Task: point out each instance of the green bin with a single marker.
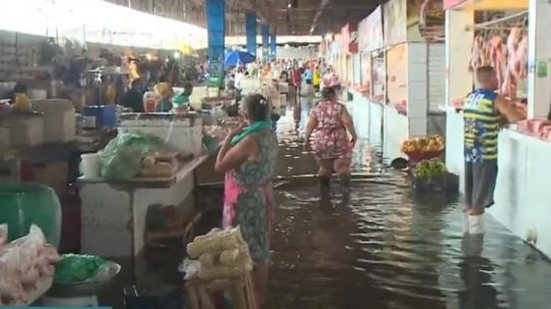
(23, 204)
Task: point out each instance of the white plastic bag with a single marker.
(189, 268)
(3, 234)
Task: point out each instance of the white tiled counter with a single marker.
(368, 117)
(523, 195)
(454, 144)
(395, 131)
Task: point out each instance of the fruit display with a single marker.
(419, 149)
(430, 169)
(434, 143)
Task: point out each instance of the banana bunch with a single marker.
(22, 103)
(432, 168)
(432, 143)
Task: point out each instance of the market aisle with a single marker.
(390, 248)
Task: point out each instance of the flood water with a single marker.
(387, 247)
(383, 247)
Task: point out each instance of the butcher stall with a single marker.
(498, 33)
(415, 58)
(369, 96)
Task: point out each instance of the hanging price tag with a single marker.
(541, 69)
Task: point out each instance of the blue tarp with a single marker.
(236, 57)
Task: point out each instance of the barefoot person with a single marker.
(334, 139)
(482, 113)
(248, 157)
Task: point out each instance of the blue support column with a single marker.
(265, 43)
(250, 27)
(273, 46)
(216, 27)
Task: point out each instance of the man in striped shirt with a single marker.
(482, 114)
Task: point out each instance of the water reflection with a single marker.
(383, 246)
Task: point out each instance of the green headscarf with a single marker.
(254, 128)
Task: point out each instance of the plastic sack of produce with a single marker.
(26, 268)
(121, 158)
(223, 271)
(216, 242)
(234, 256)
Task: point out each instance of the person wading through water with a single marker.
(334, 139)
(482, 113)
(248, 157)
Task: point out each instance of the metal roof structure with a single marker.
(288, 17)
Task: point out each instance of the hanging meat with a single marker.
(497, 54)
(509, 86)
(521, 59)
(479, 56)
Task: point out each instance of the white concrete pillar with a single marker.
(539, 59)
(459, 82)
(459, 42)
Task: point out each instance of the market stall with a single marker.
(521, 200)
(414, 71)
(371, 92)
(151, 161)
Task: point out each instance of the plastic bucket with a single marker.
(90, 165)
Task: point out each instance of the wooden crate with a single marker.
(240, 288)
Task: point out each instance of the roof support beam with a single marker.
(330, 8)
(322, 5)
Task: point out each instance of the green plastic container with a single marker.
(23, 204)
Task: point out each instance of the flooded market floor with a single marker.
(387, 247)
(384, 247)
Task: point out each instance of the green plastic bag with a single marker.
(121, 158)
(210, 143)
(77, 268)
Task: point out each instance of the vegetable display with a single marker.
(430, 169)
(77, 268)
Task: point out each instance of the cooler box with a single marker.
(105, 115)
(184, 133)
(25, 129)
(59, 120)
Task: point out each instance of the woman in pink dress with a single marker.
(334, 138)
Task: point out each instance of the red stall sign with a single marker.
(350, 38)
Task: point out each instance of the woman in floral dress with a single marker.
(248, 157)
(334, 137)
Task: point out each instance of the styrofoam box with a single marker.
(26, 130)
(181, 134)
(59, 120)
